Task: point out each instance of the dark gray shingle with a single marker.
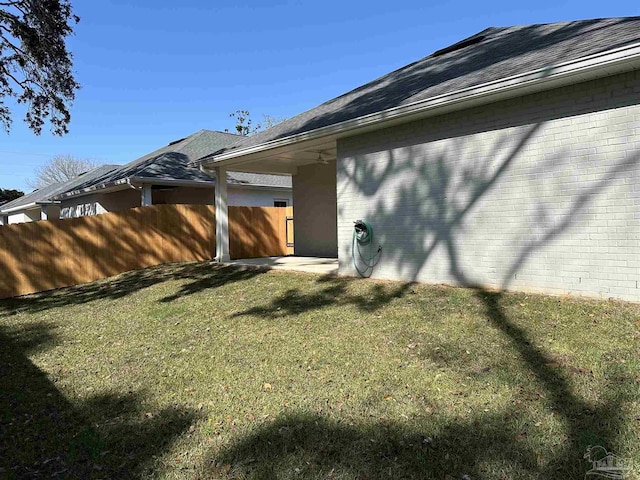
(171, 163)
(501, 53)
(48, 193)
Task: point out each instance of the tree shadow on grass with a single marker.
(320, 445)
(301, 445)
(333, 293)
(207, 279)
(586, 424)
(199, 277)
(43, 434)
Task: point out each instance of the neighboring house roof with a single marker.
(170, 165)
(492, 54)
(47, 194)
(259, 179)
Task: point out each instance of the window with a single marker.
(279, 203)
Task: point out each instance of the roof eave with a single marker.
(583, 69)
(202, 183)
(174, 182)
(99, 188)
(28, 206)
(259, 186)
(16, 208)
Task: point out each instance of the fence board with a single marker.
(258, 231)
(57, 253)
(51, 254)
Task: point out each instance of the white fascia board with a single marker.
(202, 184)
(258, 186)
(101, 188)
(582, 69)
(28, 206)
(173, 182)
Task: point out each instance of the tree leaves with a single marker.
(35, 65)
(6, 195)
(243, 122)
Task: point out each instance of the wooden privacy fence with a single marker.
(51, 254)
(259, 232)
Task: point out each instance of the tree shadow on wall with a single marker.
(438, 225)
(43, 434)
(46, 255)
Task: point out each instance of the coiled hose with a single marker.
(363, 238)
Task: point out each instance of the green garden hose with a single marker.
(363, 237)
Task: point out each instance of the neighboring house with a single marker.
(163, 176)
(40, 204)
(510, 159)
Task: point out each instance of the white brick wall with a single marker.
(537, 193)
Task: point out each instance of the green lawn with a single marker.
(198, 371)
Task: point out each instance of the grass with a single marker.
(198, 371)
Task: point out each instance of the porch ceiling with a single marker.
(284, 160)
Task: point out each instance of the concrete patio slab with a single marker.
(322, 266)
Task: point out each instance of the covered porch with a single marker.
(312, 166)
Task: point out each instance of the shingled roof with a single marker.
(492, 54)
(171, 164)
(47, 194)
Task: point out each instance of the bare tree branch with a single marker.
(59, 169)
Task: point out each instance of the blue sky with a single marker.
(153, 70)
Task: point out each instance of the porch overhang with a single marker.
(280, 160)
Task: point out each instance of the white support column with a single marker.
(147, 199)
(43, 212)
(222, 216)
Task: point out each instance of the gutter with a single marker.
(27, 206)
(605, 62)
(100, 188)
(127, 182)
(174, 182)
(258, 186)
(203, 183)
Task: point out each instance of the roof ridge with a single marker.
(221, 132)
(504, 52)
(567, 22)
(191, 138)
(367, 84)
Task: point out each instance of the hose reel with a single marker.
(363, 241)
